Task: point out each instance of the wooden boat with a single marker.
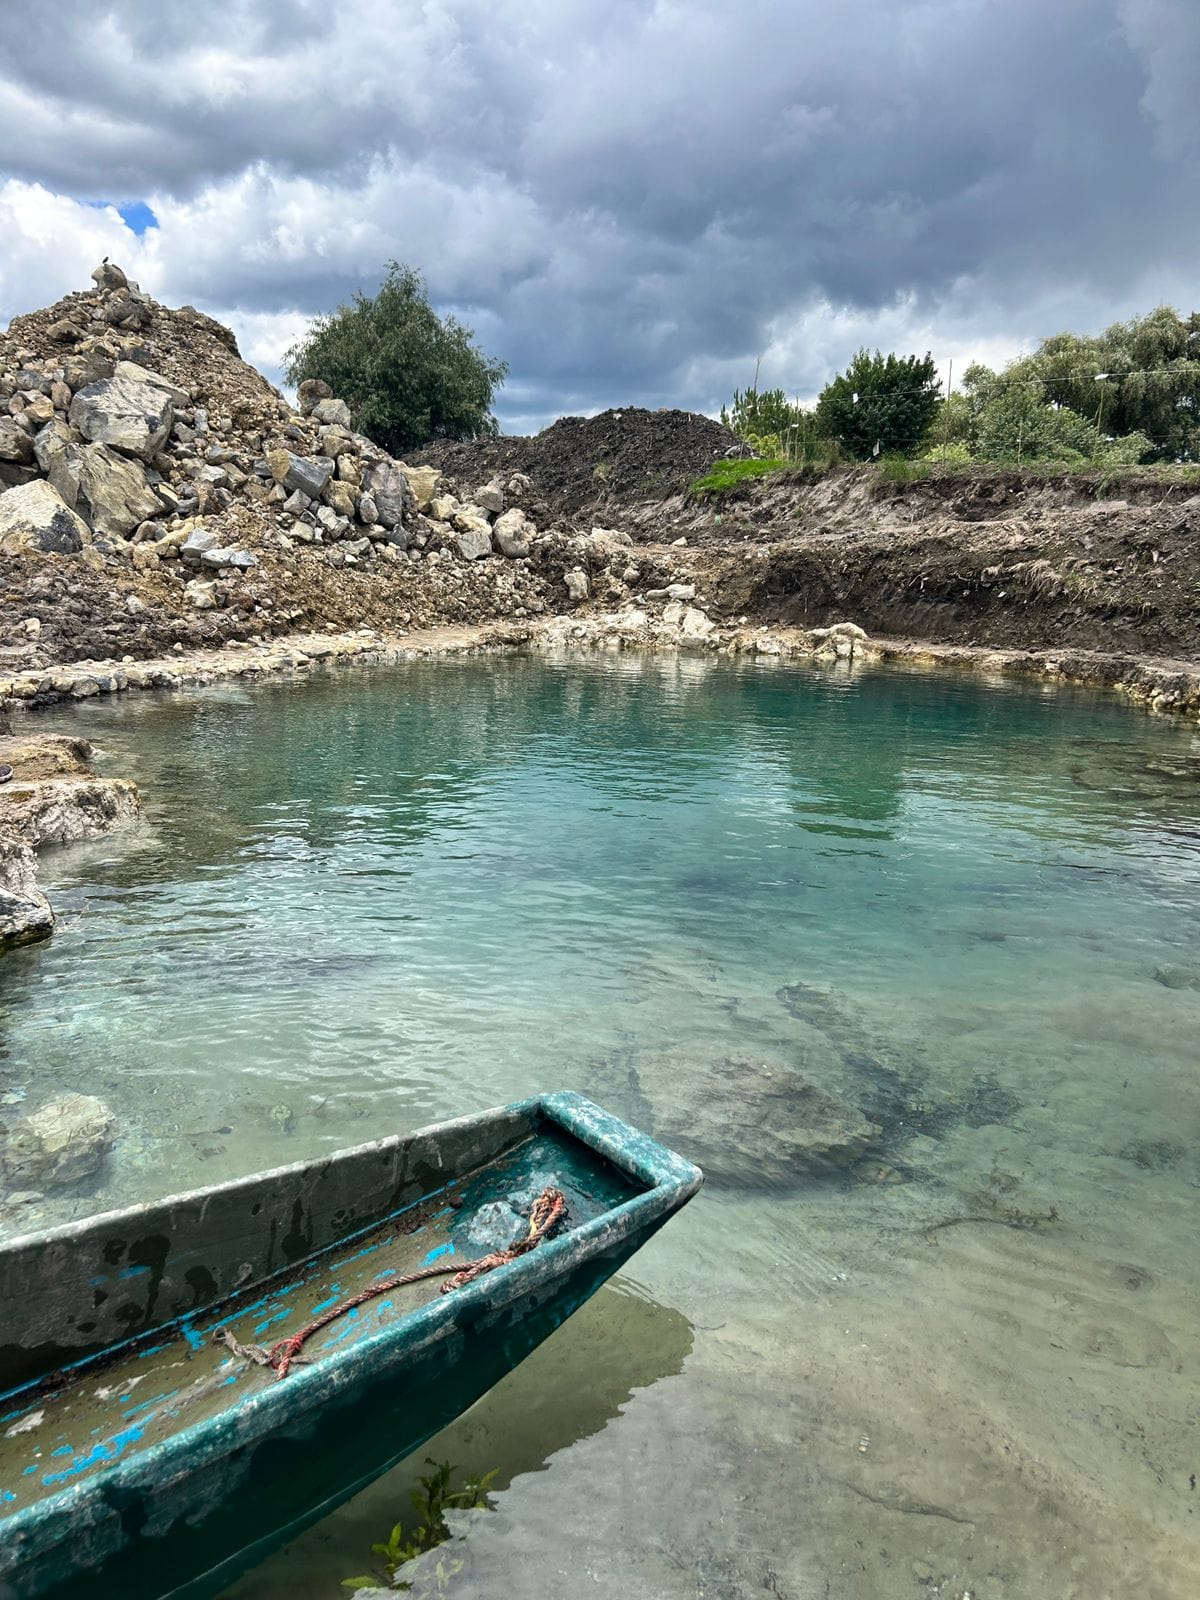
(165, 1418)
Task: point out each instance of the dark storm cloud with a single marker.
(630, 201)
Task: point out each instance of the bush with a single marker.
(952, 454)
(774, 428)
(880, 404)
(407, 374)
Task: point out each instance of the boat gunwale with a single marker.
(68, 1232)
(671, 1181)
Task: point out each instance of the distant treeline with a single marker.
(1128, 395)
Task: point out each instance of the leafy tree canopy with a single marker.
(889, 401)
(1137, 377)
(757, 413)
(407, 374)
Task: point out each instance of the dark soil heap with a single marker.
(598, 464)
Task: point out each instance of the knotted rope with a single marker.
(548, 1208)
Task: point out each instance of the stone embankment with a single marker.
(49, 795)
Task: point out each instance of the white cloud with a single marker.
(629, 200)
(51, 244)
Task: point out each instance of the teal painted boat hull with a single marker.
(179, 1492)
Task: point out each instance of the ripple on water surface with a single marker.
(966, 914)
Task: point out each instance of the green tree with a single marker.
(773, 426)
(407, 374)
(1006, 417)
(756, 414)
(885, 401)
(1141, 376)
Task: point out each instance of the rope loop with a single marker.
(548, 1210)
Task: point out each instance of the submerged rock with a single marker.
(757, 1124)
(63, 1142)
(1178, 977)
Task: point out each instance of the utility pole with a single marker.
(1100, 377)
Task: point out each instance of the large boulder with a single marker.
(311, 392)
(109, 491)
(298, 474)
(756, 1124)
(333, 412)
(25, 912)
(511, 533)
(128, 413)
(473, 543)
(391, 492)
(108, 276)
(133, 373)
(62, 810)
(199, 595)
(490, 497)
(423, 481)
(34, 516)
(63, 1142)
(15, 443)
(198, 542)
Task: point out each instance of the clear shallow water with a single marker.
(378, 899)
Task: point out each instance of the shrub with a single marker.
(775, 428)
(953, 454)
(880, 404)
(407, 374)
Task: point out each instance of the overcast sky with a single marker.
(629, 201)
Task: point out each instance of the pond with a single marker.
(967, 910)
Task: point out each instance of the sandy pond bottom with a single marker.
(969, 909)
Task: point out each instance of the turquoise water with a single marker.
(965, 1365)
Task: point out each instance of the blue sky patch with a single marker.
(136, 215)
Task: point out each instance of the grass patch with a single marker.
(723, 475)
(901, 469)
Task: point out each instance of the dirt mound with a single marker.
(588, 463)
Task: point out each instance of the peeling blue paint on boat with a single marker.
(101, 1452)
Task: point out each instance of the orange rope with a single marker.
(548, 1208)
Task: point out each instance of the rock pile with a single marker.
(111, 442)
(174, 481)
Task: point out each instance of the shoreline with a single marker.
(1154, 683)
(59, 803)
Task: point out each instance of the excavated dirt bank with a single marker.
(989, 559)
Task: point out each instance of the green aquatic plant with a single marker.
(431, 1502)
